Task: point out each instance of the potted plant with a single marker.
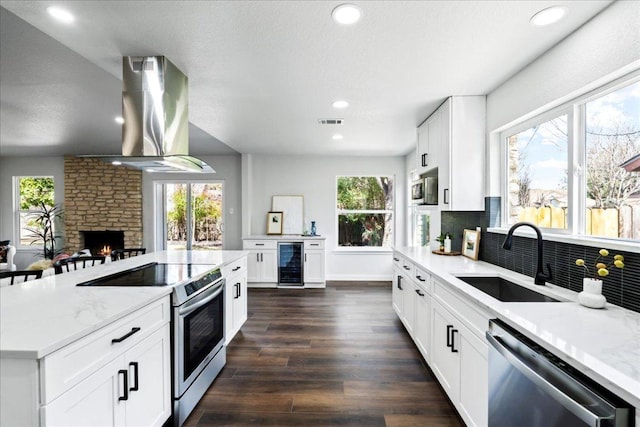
(440, 239)
(43, 229)
(591, 295)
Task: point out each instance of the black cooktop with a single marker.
(155, 274)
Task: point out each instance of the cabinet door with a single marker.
(254, 266)
(422, 325)
(92, 402)
(269, 266)
(434, 130)
(397, 296)
(149, 367)
(422, 151)
(474, 366)
(444, 183)
(408, 295)
(239, 303)
(445, 361)
(313, 266)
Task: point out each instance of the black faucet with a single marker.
(540, 278)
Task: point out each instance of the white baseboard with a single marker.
(361, 277)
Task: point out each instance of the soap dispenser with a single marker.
(447, 243)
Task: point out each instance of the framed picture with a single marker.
(274, 222)
(471, 243)
(292, 208)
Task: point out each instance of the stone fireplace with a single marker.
(102, 242)
(99, 196)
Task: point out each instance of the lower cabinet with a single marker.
(447, 331)
(262, 266)
(314, 263)
(134, 389)
(235, 300)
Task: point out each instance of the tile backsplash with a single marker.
(621, 287)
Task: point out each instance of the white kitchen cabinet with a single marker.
(428, 146)
(474, 388)
(422, 314)
(408, 304)
(461, 154)
(134, 389)
(445, 356)
(262, 262)
(235, 275)
(397, 292)
(314, 263)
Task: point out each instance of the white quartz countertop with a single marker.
(41, 316)
(603, 344)
(294, 237)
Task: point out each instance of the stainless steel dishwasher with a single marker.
(530, 387)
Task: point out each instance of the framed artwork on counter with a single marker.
(471, 243)
(274, 222)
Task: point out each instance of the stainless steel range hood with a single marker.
(155, 133)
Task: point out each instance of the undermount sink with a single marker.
(504, 290)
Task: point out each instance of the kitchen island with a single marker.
(51, 325)
(603, 344)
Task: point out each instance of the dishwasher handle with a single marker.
(534, 374)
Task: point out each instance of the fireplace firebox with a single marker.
(102, 242)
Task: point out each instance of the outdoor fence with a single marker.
(622, 222)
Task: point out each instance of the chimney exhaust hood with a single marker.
(155, 133)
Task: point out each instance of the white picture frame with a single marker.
(292, 208)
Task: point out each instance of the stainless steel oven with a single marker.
(530, 387)
(198, 347)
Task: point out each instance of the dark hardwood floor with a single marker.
(324, 357)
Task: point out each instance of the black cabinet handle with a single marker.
(449, 328)
(419, 293)
(400, 282)
(125, 336)
(135, 376)
(125, 375)
(406, 268)
(314, 244)
(453, 342)
(423, 159)
(446, 196)
(258, 257)
(261, 257)
(259, 244)
(396, 259)
(237, 287)
(237, 268)
(305, 257)
(420, 278)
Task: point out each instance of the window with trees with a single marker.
(365, 211)
(34, 194)
(564, 168)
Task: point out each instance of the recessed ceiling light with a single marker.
(337, 136)
(548, 16)
(119, 120)
(61, 14)
(346, 14)
(340, 104)
(116, 163)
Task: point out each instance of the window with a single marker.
(191, 215)
(32, 194)
(564, 168)
(537, 174)
(365, 211)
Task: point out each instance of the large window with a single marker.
(33, 194)
(365, 211)
(564, 168)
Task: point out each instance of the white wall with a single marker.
(228, 169)
(604, 48)
(25, 166)
(314, 177)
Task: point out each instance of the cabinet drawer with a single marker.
(234, 268)
(260, 244)
(422, 278)
(314, 244)
(474, 318)
(68, 366)
(397, 260)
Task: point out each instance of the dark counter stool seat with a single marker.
(25, 274)
(77, 263)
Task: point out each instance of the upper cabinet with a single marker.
(452, 142)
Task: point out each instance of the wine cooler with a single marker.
(290, 264)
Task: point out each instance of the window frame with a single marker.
(575, 108)
(17, 212)
(339, 212)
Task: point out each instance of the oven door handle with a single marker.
(567, 401)
(190, 308)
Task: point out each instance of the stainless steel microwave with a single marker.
(425, 191)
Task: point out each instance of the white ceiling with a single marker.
(261, 73)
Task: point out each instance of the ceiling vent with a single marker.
(330, 121)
